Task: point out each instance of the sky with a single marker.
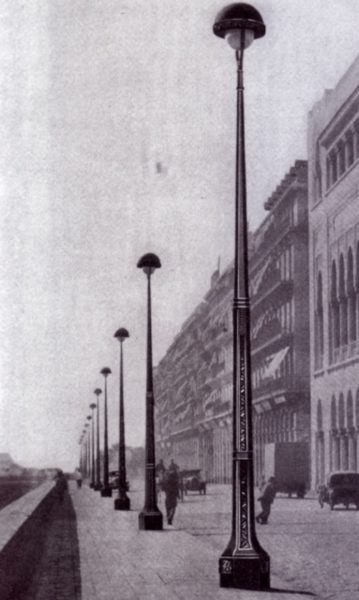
(117, 138)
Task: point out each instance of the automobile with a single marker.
(191, 481)
(342, 487)
(113, 481)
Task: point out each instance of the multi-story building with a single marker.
(193, 382)
(333, 156)
(193, 387)
(279, 318)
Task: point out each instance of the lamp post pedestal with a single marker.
(250, 570)
(122, 503)
(150, 520)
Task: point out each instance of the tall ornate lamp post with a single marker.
(92, 484)
(123, 501)
(97, 485)
(243, 564)
(106, 490)
(150, 517)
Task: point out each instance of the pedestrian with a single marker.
(160, 477)
(78, 477)
(61, 485)
(266, 499)
(171, 487)
(173, 465)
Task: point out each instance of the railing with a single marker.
(275, 385)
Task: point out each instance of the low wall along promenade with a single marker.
(23, 527)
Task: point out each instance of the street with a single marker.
(311, 549)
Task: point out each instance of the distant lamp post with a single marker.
(123, 501)
(97, 485)
(243, 564)
(87, 451)
(106, 490)
(150, 517)
(92, 484)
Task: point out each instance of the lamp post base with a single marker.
(150, 521)
(106, 492)
(122, 503)
(248, 572)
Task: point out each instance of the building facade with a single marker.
(193, 382)
(333, 156)
(280, 319)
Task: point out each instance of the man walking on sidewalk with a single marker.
(171, 487)
(266, 500)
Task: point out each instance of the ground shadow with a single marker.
(59, 565)
(297, 592)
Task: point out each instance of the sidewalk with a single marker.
(119, 562)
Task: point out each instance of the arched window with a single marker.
(350, 411)
(341, 413)
(334, 310)
(343, 303)
(333, 414)
(319, 416)
(352, 314)
(318, 326)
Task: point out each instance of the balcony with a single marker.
(283, 288)
(276, 386)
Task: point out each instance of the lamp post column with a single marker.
(92, 484)
(150, 518)
(97, 487)
(106, 490)
(123, 501)
(243, 564)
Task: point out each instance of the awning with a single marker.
(275, 363)
(258, 325)
(258, 278)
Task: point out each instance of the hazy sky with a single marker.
(117, 138)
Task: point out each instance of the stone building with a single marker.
(193, 381)
(333, 184)
(279, 318)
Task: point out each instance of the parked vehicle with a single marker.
(288, 462)
(342, 487)
(191, 481)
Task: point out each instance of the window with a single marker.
(318, 325)
(350, 148)
(334, 310)
(352, 315)
(341, 158)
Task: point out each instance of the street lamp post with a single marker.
(87, 445)
(244, 563)
(123, 501)
(97, 485)
(92, 484)
(150, 517)
(106, 490)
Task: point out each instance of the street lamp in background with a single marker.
(106, 490)
(92, 484)
(123, 501)
(150, 517)
(244, 563)
(87, 451)
(97, 486)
